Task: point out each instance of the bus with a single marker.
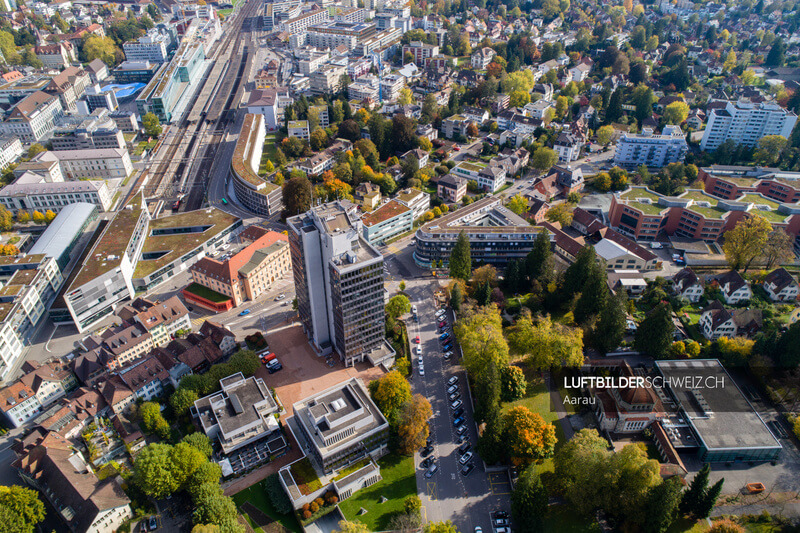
(224, 201)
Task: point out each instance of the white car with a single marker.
(421, 370)
(413, 309)
(440, 313)
(419, 350)
(465, 458)
(456, 404)
(656, 245)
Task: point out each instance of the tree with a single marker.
(397, 306)
(529, 501)
(346, 526)
(460, 258)
(23, 217)
(151, 124)
(547, 344)
(730, 61)
(480, 335)
(746, 241)
(561, 213)
(185, 459)
(538, 256)
(100, 47)
(518, 204)
(578, 272)
(770, 148)
(406, 97)
(485, 275)
(403, 136)
(153, 421)
(775, 57)
(512, 383)
(456, 297)
(297, 195)
(709, 500)
(425, 144)
(543, 158)
(614, 109)
(778, 248)
(20, 509)
(593, 295)
(610, 329)
(202, 528)
(662, 505)
(440, 527)
(413, 428)
(213, 507)
(38, 217)
(350, 130)
(676, 112)
(519, 98)
(153, 471)
(319, 140)
(643, 100)
(390, 393)
(181, 400)
(200, 442)
(654, 334)
(693, 497)
(472, 130)
(49, 216)
(726, 526)
(527, 436)
(605, 134)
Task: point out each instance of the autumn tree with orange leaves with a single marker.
(527, 436)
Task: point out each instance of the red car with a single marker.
(416, 339)
(456, 148)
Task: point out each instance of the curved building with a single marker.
(253, 192)
(496, 235)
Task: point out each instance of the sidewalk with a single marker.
(558, 404)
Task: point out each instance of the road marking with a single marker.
(432, 490)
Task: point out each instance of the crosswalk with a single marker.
(198, 322)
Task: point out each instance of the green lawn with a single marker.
(208, 294)
(398, 483)
(563, 519)
(257, 496)
(144, 145)
(225, 12)
(305, 476)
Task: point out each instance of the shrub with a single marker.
(314, 507)
(305, 507)
(307, 514)
(320, 502)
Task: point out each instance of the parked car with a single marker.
(452, 389)
(461, 430)
(443, 323)
(465, 458)
(153, 523)
(416, 339)
(500, 522)
(455, 396)
(444, 336)
(413, 309)
(427, 462)
(447, 347)
(465, 472)
(440, 313)
(419, 350)
(458, 421)
(421, 370)
(426, 451)
(458, 412)
(656, 245)
(448, 355)
(431, 471)
(464, 448)
(500, 514)
(272, 368)
(453, 380)
(245, 312)
(456, 404)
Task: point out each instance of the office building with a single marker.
(418, 201)
(105, 279)
(30, 284)
(63, 233)
(254, 192)
(149, 47)
(338, 279)
(299, 24)
(341, 425)
(10, 150)
(98, 131)
(97, 98)
(17, 87)
(69, 85)
(386, 222)
(55, 56)
(240, 414)
(421, 51)
(135, 71)
(327, 79)
(298, 128)
(746, 123)
(33, 118)
(272, 103)
(126, 121)
(33, 192)
(101, 163)
(722, 424)
(651, 150)
(248, 273)
(496, 235)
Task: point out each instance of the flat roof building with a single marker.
(726, 426)
(341, 425)
(256, 193)
(63, 232)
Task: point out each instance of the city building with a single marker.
(55, 56)
(38, 388)
(97, 98)
(34, 193)
(780, 286)
(386, 222)
(723, 425)
(568, 147)
(270, 102)
(161, 320)
(341, 425)
(734, 288)
(69, 85)
(482, 57)
(30, 285)
(368, 194)
(300, 23)
(746, 123)
(451, 188)
(687, 285)
(135, 71)
(391, 85)
(82, 501)
(10, 150)
(105, 279)
(98, 71)
(18, 87)
(33, 118)
(327, 79)
(62, 234)
(418, 201)
(421, 51)
(338, 279)
(151, 46)
(298, 128)
(98, 131)
(455, 125)
(651, 150)
(248, 273)
(126, 121)
(627, 409)
(490, 178)
(496, 235)
(239, 414)
(332, 34)
(254, 192)
(731, 182)
(620, 253)
(102, 163)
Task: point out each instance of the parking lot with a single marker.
(447, 494)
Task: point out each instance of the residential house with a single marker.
(568, 147)
(735, 289)
(780, 286)
(482, 57)
(451, 188)
(687, 285)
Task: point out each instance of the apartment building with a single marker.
(55, 56)
(455, 125)
(481, 58)
(496, 235)
(272, 103)
(342, 425)
(489, 177)
(150, 47)
(568, 147)
(730, 182)
(327, 79)
(248, 273)
(391, 85)
(33, 118)
(161, 320)
(421, 51)
(338, 279)
(451, 188)
(34, 193)
(69, 85)
(781, 286)
(418, 201)
(386, 222)
(254, 192)
(299, 129)
(745, 123)
(299, 24)
(10, 150)
(651, 150)
(98, 131)
(310, 61)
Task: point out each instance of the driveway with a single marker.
(448, 495)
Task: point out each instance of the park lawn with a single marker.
(208, 294)
(258, 497)
(397, 484)
(225, 12)
(685, 525)
(144, 145)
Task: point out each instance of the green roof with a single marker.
(473, 166)
(632, 195)
(248, 138)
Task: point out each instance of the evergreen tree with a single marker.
(538, 255)
(775, 58)
(610, 328)
(614, 110)
(482, 293)
(662, 503)
(511, 278)
(529, 501)
(593, 294)
(460, 258)
(693, 497)
(578, 272)
(710, 500)
(456, 298)
(654, 335)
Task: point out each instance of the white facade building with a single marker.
(151, 47)
(651, 150)
(746, 123)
